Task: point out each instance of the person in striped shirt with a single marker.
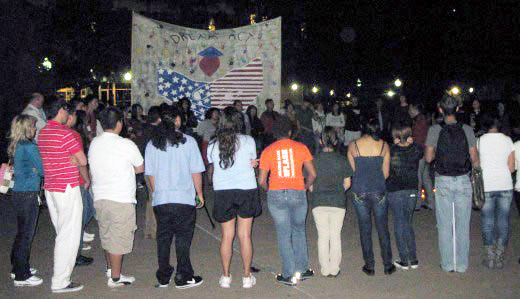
(61, 155)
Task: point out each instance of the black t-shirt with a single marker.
(404, 165)
(331, 169)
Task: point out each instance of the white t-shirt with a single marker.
(112, 159)
(239, 176)
(517, 165)
(494, 150)
(335, 120)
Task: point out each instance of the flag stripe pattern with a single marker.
(244, 83)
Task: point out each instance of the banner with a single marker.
(211, 69)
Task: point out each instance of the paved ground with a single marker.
(426, 282)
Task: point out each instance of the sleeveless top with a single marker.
(368, 175)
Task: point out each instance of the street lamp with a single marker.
(349, 95)
(358, 83)
(127, 76)
(211, 26)
(398, 83)
(390, 93)
(471, 90)
(315, 89)
(331, 92)
(455, 90)
(47, 64)
(294, 86)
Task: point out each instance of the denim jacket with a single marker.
(28, 168)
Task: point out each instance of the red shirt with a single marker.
(284, 159)
(57, 144)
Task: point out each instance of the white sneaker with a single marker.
(86, 247)
(248, 282)
(88, 235)
(225, 281)
(123, 281)
(29, 282)
(87, 238)
(109, 272)
(32, 270)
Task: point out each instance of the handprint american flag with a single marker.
(243, 83)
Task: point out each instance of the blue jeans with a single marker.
(403, 204)
(453, 203)
(88, 213)
(25, 205)
(366, 204)
(494, 221)
(289, 211)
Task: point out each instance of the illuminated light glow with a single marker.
(398, 83)
(211, 26)
(390, 93)
(331, 92)
(47, 64)
(315, 89)
(358, 83)
(349, 95)
(252, 19)
(294, 87)
(127, 76)
(455, 90)
(471, 90)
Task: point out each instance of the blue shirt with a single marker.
(172, 170)
(241, 175)
(28, 169)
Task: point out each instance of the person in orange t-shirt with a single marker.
(287, 200)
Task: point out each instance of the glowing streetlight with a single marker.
(349, 95)
(471, 90)
(455, 90)
(315, 89)
(358, 83)
(127, 76)
(331, 92)
(398, 83)
(211, 26)
(294, 87)
(390, 93)
(47, 64)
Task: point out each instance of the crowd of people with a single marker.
(90, 159)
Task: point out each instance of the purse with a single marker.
(477, 183)
(6, 177)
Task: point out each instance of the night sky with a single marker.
(428, 44)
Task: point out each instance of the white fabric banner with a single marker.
(211, 69)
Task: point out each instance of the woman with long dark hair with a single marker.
(369, 157)
(174, 167)
(136, 127)
(233, 157)
(189, 121)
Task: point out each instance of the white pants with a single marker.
(66, 210)
(329, 222)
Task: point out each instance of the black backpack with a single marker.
(452, 154)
